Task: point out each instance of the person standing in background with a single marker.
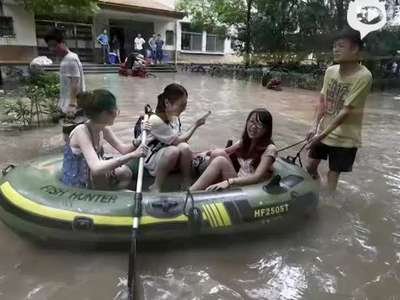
(159, 49)
(115, 46)
(139, 41)
(72, 81)
(153, 47)
(105, 47)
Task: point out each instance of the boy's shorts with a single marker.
(340, 159)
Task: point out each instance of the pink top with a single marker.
(246, 167)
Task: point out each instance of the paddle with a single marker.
(137, 213)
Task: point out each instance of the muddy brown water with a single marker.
(351, 250)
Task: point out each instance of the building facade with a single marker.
(17, 32)
(22, 33)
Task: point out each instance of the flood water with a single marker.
(351, 250)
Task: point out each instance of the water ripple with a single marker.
(185, 283)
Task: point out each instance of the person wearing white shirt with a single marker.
(72, 80)
(139, 41)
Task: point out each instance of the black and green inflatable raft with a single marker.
(33, 201)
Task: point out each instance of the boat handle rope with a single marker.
(292, 146)
(7, 169)
(194, 213)
(297, 157)
(293, 159)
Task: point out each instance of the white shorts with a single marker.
(152, 163)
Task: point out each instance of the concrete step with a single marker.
(98, 68)
(111, 72)
(89, 66)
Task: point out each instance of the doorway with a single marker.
(119, 32)
(127, 30)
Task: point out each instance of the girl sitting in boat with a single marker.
(255, 153)
(83, 164)
(168, 147)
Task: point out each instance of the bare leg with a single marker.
(219, 169)
(219, 152)
(124, 176)
(312, 167)
(185, 163)
(332, 181)
(167, 163)
(212, 155)
(102, 181)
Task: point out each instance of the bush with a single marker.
(49, 82)
(305, 77)
(41, 93)
(19, 111)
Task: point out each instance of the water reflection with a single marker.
(185, 283)
(350, 251)
(275, 279)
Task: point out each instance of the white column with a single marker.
(227, 46)
(204, 42)
(178, 36)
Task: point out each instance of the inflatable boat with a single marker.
(33, 201)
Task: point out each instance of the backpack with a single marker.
(138, 126)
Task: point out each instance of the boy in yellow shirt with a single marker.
(336, 132)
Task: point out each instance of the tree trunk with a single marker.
(1, 8)
(248, 33)
(340, 20)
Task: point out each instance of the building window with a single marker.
(192, 41)
(169, 38)
(79, 38)
(6, 27)
(215, 43)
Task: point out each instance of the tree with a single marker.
(67, 7)
(263, 25)
(290, 28)
(248, 31)
(212, 15)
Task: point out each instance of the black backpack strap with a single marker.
(138, 127)
(155, 146)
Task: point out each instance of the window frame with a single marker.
(11, 33)
(166, 37)
(215, 37)
(191, 40)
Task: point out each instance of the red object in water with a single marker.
(274, 84)
(136, 71)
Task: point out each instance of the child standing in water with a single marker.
(340, 110)
(168, 147)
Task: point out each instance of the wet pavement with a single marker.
(351, 250)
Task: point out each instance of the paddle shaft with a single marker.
(137, 213)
